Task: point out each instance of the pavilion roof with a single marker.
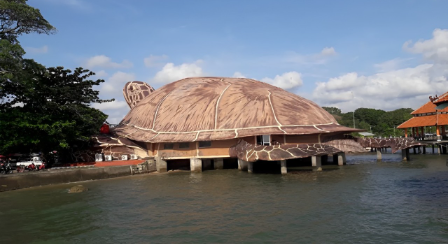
(430, 120)
(428, 107)
(442, 99)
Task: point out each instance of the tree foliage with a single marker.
(41, 109)
(52, 111)
(379, 122)
(17, 18)
(333, 110)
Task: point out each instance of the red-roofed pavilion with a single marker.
(432, 113)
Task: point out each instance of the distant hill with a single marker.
(379, 122)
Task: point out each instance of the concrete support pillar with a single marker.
(218, 163)
(433, 149)
(341, 159)
(316, 162)
(439, 149)
(403, 155)
(242, 165)
(424, 149)
(250, 167)
(407, 154)
(414, 150)
(284, 170)
(196, 165)
(161, 165)
(379, 155)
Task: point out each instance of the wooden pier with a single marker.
(435, 147)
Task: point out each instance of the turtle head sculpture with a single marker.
(135, 91)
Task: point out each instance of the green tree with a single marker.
(378, 121)
(333, 110)
(41, 109)
(52, 111)
(17, 18)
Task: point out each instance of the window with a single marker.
(264, 140)
(168, 146)
(205, 144)
(184, 145)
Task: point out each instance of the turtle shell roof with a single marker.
(213, 108)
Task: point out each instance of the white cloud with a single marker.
(312, 59)
(110, 105)
(286, 81)
(394, 87)
(171, 72)
(115, 116)
(408, 87)
(390, 65)
(238, 75)
(101, 73)
(328, 51)
(435, 49)
(103, 61)
(36, 50)
(113, 88)
(154, 61)
(114, 84)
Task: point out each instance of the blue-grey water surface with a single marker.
(362, 202)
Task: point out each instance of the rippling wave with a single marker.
(363, 202)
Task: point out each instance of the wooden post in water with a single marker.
(433, 149)
(424, 149)
(407, 154)
(403, 155)
(413, 148)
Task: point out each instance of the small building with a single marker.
(430, 114)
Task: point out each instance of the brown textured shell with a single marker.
(213, 108)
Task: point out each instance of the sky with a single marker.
(346, 54)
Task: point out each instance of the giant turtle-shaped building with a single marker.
(198, 122)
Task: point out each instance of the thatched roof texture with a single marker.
(214, 108)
